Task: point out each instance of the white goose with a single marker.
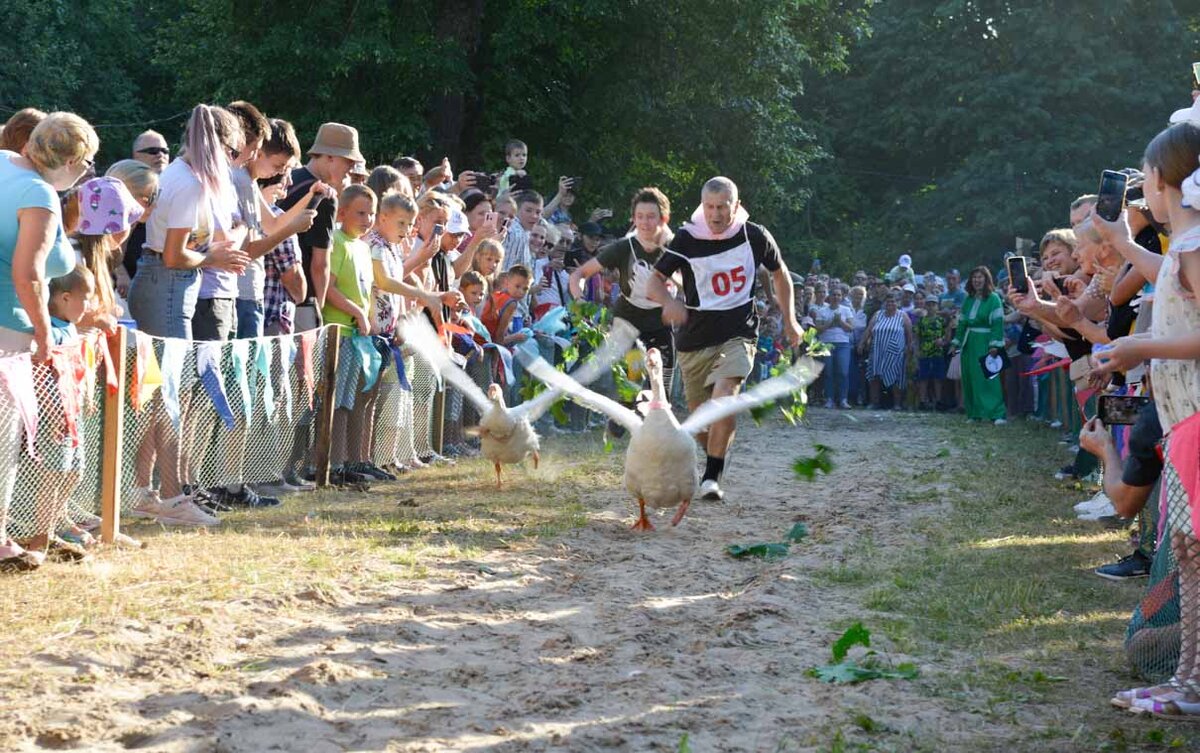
(506, 435)
(660, 462)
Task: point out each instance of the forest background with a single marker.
(858, 130)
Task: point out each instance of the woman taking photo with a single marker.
(980, 333)
(889, 341)
(33, 249)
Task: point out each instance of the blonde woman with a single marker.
(33, 249)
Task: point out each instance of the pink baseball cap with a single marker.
(106, 206)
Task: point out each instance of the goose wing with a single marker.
(802, 373)
(619, 340)
(557, 380)
(425, 341)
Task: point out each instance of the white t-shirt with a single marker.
(836, 334)
(180, 204)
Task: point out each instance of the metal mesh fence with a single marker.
(50, 443)
(196, 415)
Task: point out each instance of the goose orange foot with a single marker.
(536, 458)
(499, 484)
(643, 523)
(683, 508)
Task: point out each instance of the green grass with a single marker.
(1001, 587)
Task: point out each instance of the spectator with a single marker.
(283, 283)
(834, 321)
(108, 212)
(954, 297)
(981, 333)
(411, 168)
(516, 154)
(586, 245)
(34, 247)
(142, 182)
(889, 341)
(932, 333)
(858, 377)
(385, 179)
(528, 215)
(903, 271)
(17, 129)
(359, 173)
(150, 148)
(333, 153)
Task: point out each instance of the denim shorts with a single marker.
(931, 368)
(163, 301)
(249, 318)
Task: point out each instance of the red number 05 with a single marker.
(735, 280)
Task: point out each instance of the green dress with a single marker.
(980, 328)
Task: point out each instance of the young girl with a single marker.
(488, 259)
(1172, 191)
(108, 211)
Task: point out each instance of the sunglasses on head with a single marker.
(155, 150)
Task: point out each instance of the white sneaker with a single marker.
(1000, 422)
(1098, 501)
(144, 502)
(845, 405)
(179, 510)
(1099, 507)
(711, 490)
(829, 403)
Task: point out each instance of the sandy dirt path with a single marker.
(598, 639)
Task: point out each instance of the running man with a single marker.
(634, 258)
(719, 253)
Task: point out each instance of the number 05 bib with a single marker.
(723, 281)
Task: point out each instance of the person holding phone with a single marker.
(834, 323)
(981, 333)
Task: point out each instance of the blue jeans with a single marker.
(837, 372)
(163, 301)
(249, 318)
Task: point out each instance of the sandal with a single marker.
(1125, 699)
(1168, 706)
(61, 550)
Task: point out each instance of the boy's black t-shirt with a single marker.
(722, 270)
(320, 235)
(1144, 466)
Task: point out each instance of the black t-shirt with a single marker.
(1144, 466)
(719, 282)
(133, 248)
(320, 235)
(635, 266)
(1122, 317)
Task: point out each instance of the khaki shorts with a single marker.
(732, 359)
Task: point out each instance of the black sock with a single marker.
(713, 467)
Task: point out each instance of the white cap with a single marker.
(905, 261)
(909, 288)
(1188, 113)
(457, 224)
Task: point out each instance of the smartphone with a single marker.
(489, 219)
(439, 228)
(1195, 75)
(315, 200)
(1120, 410)
(575, 182)
(1112, 195)
(504, 225)
(1018, 274)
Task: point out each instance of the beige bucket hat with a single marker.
(337, 140)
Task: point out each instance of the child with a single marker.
(348, 304)
(473, 286)
(553, 284)
(488, 258)
(516, 154)
(61, 454)
(931, 354)
(502, 304)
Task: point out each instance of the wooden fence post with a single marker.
(324, 418)
(437, 421)
(112, 450)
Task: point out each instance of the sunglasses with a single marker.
(155, 150)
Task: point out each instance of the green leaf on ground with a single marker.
(764, 551)
(807, 467)
(608, 443)
(684, 745)
(798, 533)
(855, 635)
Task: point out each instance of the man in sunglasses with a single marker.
(151, 148)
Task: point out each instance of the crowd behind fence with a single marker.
(243, 411)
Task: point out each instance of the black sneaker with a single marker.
(1136, 565)
(372, 470)
(212, 501)
(247, 497)
(1066, 473)
(346, 477)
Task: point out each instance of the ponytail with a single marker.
(205, 149)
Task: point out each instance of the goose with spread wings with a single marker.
(506, 435)
(660, 462)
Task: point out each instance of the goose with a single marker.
(660, 462)
(506, 435)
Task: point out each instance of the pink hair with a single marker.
(205, 152)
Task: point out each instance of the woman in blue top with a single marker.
(33, 249)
